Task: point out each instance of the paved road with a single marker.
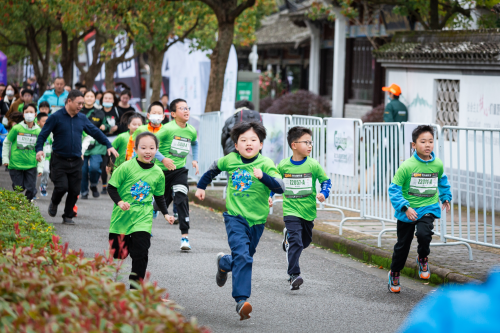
(339, 294)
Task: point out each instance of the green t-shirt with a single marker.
(299, 198)
(120, 144)
(23, 155)
(137, 187)
(175, 142)
(247, 196)
(419, 181)
(47, 147)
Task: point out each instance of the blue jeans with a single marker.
(243, 241)
(299, 237)
(94, 170)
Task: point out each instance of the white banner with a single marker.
(408, 130)
(230, 78)
(274, 145)
(340, 147)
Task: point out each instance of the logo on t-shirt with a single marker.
(242, 180)
(140, 190)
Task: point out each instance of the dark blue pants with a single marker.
(299, 238)
(243, 241)
(91, 170)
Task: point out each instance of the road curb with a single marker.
(346, 246)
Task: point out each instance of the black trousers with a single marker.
(176, 190)
(66, 174)
(299, 238)
(136, 244)
(405, 236)
(104, 164)
(25, 179)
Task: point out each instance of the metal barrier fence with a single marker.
(210, 149)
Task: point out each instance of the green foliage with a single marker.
(21, 223)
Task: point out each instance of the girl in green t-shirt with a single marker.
(132, 188)
(120, 143)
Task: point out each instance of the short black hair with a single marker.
(174, 103)
(244, 104)
(164, 95)
(296, 133)
(242, 127)
(137, 115)
(28, 91)
(126, 92)
(419, 130)
(26, 106)
(58, 78)
(40, 116)
(156, 103)
(74, 94)
(44, 104)
(144, 134)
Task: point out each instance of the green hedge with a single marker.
(46, 287)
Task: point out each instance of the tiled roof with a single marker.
(278, 29)
(461, 45)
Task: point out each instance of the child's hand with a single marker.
(200, 194)
(195, 165)
(320, 197)
(108, 169)
(446, 205)
(411, 214)
(6, 164)
(39, 174)
(168, 163)
(124, 205)
(258, 173)
(169, 219)
(270, 202)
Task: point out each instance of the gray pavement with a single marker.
(339, 294)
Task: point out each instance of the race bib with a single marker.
(180, 147)
(423, 185)
(26, 141)
(47, 149)
(298, 185)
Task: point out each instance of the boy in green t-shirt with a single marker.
(20, 143)
(300, 173)
(415, 198)
(132, 187)
(176, 139)
(47, 149)
(253, 177)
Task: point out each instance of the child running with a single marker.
(415, 198)
(135, 121)
(20, 143)
(300, 173)
(176, 139)
(47, 149)
(132, 187)
(253, 177)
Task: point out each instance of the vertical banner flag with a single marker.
(274, 145)
(230, 79)
(127, 72)
(340, 147)
(3, 68)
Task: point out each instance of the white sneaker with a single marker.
(185, 244)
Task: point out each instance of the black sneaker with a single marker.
(68, 220)
(52, 209)
(104, 190)
(243, 308)
(285, 240)
(295, 281)
(176, 218)
(95, 192)
(84, 196)
(221, 276)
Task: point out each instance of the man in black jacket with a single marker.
(244, 112)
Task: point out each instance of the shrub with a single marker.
(54, 289)
(265, 103)
(16, 209)
(375, 115)
(302, 102)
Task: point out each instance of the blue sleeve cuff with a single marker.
(159, 156)
(326, 186)
(444, 189)
(196, 149)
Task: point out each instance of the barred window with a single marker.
(447, 104)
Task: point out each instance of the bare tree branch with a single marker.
(238, 10)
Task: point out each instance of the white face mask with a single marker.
(155, 118)
(29, 117)
(9, 92)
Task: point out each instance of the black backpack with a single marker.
(248, 116)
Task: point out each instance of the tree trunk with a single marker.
(95, 67)
(37, 57)
(218, 59)
(155, 58)
(67, 56)
(110, 67)
(434, 15)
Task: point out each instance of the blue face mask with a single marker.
(97, 102)
(107, 105)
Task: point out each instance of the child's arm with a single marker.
(115, 196)
(6, 150)
(444, 189)
(196, 149)
(275, 184)
(86, 143)
(396, 197)
(39, 166)
(206, 179)
(326, 186)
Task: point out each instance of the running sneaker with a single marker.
(43, 190)
(221, 276)
(75, 210)
(52, 209)
(68, 221)
(185, 244)
(104, 190)
(393, 285)
(295, 281)
(176, 218)
(84, 196)
(243, 308)
(423, 268)
(95, 192)
(155, 214)
(285, 240)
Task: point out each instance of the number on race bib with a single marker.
(180, 147)
(298, 185)
(26, 141)
(423, 185)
